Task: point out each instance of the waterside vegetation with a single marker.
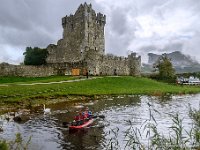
(148, 136)
(18, 93)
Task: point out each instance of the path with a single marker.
(47, 83)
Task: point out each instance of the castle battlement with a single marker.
(101, 18)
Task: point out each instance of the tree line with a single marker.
(35, 56)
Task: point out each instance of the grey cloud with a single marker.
(33, 22)
(38, 23)
(173, 47)
(119, 21)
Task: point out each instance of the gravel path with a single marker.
(58, 82)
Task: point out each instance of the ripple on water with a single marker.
(47, 132)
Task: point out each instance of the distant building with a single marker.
(191, 80)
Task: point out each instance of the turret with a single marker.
(101, 19)
(134, 64)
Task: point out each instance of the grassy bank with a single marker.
(8, 80)
(99, 86)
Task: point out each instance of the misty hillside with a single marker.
(178, 59)
(182, 63)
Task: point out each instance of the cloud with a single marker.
(137, 25)
(159, 26)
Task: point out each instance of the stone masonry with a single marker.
(26, 71)
(81, 32)
(83, 43)
(81, 50)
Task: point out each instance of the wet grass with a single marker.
(101, 86)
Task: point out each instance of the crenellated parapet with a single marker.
(134, 63)
(101, 19)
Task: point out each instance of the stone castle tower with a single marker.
(82, 47)
(81, 50)
(82, 32)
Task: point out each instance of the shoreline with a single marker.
(15, 96)
(38, 102)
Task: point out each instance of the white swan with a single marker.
(46, 110)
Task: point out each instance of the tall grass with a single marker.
(195, 115)
(147, 137)
(17, 144)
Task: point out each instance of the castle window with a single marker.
(95, 48)
(72, 27)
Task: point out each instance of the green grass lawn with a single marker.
(5, 80)
(100, 86)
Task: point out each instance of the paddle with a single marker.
(66, 124)
(98, 116)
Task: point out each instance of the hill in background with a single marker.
(182, 63)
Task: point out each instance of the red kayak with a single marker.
(86, 124)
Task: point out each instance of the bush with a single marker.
(35, 56)
(3, 145)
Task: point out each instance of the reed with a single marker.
(17, 144)
(178, 137)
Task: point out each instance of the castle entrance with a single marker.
(75, 72)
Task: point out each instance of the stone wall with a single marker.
(134, 64)
(113, 65)
(82, 31)
(26, 71)
(83, 41)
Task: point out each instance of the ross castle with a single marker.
(82, 48)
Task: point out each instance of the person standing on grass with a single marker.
(87, 74)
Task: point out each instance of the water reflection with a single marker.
(47, 132)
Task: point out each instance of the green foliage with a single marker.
(165, 68)
(187, 75)
(3, 145)
(35, 56)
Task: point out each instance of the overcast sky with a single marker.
(141, 26)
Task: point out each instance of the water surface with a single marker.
(47, 133)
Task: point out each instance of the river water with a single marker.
(47, 133)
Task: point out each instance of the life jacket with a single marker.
(89, 113)
(77, 118)
(86, 114)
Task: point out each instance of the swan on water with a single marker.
(46, 110)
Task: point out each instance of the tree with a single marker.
(165, 68)
(35, 56)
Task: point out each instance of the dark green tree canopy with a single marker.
(35, 56)
(165, 68)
